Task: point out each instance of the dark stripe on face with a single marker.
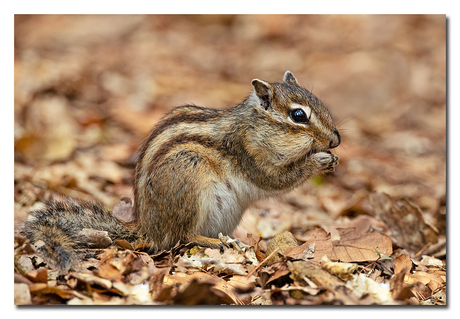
(282, 127)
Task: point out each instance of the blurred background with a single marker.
(89, 87)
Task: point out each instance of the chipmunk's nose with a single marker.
(335, 140)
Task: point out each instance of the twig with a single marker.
(380, 257)
(262, 262)
(370, 265)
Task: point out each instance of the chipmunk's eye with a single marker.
(299, 116)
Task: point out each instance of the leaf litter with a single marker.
(320, 270)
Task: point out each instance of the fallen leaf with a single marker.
(431, 262)
(196, 293)
(432, 280)
(197, 289)
(307, 252)
(361, 247)
(352, 246)
(20, 279)
(403, 264)
(408, 227)
(38, 276)
(157, 287)
(305, 290)
(95, 238)
(306, 269)
(46, 290)
(110, 266)
(242, 284)
(341, 269)
(273, 273)
(322, 246)
(361, 285)
(124, 244)
(399, 289)
(92, 280)
(124, 210)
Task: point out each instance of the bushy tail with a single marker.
(59, 224)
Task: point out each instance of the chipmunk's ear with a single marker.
(264, 92)
(290, 78)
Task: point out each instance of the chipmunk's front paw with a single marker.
(325, 161)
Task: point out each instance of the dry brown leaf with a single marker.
(432, 262)
(193, 289)
(20, 279)
(362, 285)
(96, 166)
(230, 262)
(158, 288)
(272, 273)
(399, 289)
(306, 269)
(38, 276)
(361, 247)
(323, 246)
(92, 280)
(24, 246)
(242, 284)
(136, 294)
(124, 210)
(376, 276)
(201, 293)
(304, 290)
(433, 280)
(408, 227)
(422, 284)
(365, 223)
(403, 264)
(110, 266)
(62, 293)
(340, 269)
(352, 246)
(124, 244)
(308, 252)
(95, 238)
(421, 291)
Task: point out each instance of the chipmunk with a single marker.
(200, 169)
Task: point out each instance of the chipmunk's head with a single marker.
(296, 121)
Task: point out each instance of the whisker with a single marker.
(345, 120)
